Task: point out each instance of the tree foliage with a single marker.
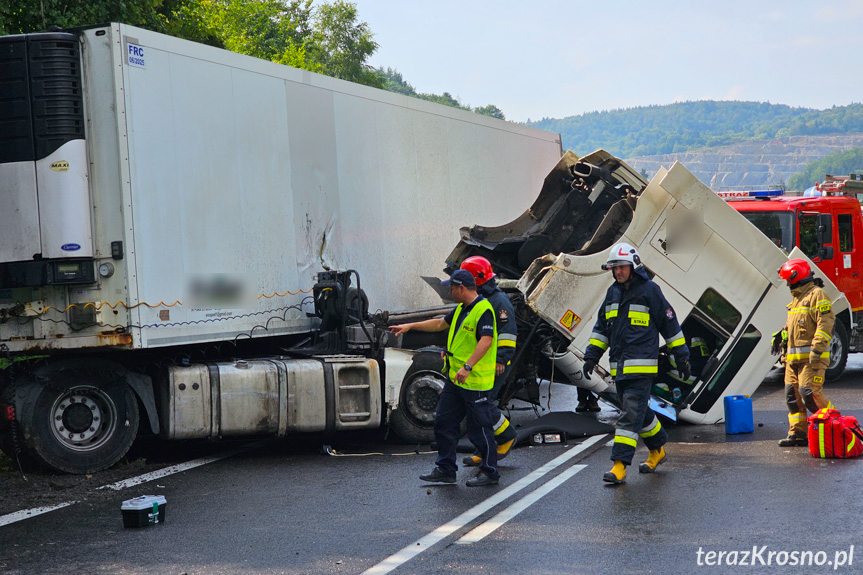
(327, 38)
(838, 164)
(393, 81)
(652, 130)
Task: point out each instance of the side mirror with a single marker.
(825, 253)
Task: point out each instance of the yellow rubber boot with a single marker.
(617, 475)
(655, 458)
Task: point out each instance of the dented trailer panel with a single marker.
(221, 184)
(710, 263)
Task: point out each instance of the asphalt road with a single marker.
(283, 507)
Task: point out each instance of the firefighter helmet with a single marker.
(795, 270)
(622, 254)
(479, 267)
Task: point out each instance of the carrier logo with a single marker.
(70, 247)
(61, 166)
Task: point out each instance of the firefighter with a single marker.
(808, 330)
(504, 316)
(628, 324)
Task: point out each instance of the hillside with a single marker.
(677, 128)
(751, 163)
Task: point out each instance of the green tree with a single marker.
(342, 45)
(23, 16)
(490, 110)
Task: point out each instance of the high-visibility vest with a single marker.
(461, 344)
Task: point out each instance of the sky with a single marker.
(556, 58)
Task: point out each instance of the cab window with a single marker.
(718, 309)
(846, 235)
(809, 235)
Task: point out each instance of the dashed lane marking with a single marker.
(164, 472)
(444, 531)
(28, 513)
(478, 533)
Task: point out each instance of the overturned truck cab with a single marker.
(716, 269)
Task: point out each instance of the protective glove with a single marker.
(588, 368)
(778, 343)
(815, 358)
(684, 369)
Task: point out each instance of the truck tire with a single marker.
(83, 422)
(838, 352)
(413, 421)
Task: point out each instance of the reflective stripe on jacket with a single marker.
(629, 324)
(504, 320)
(462, 342)
(810, 324)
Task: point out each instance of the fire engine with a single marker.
(825, 223)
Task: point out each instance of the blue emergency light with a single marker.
(765, 193)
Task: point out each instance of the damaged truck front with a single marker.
(715, 268)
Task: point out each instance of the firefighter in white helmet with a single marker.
(628, 324)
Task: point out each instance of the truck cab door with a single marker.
(847, 261)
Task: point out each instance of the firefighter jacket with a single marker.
(810, 324)
(629, 323)
(504, 319)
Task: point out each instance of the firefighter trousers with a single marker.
(803, 391)
(636, 420)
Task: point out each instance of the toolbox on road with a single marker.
(144, 510)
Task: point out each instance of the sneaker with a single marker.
(794, 441)
(472, 461)
(481, 480)
(582, 407)
(438, 476)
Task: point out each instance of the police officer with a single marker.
(504, 317)
(809, 331)
(470, 367)
(629, 322)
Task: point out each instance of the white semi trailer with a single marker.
(178, 223)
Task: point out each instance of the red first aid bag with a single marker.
(833, 435)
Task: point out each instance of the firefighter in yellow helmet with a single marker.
(809, 331)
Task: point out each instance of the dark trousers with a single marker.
(454, 404)
(636, 420)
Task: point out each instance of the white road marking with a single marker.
(180, 467)
(447, 529)
(498, 520)
(28, 513)
(164, 472)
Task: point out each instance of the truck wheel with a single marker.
(413, 421)
(838, 352)
(82, 422)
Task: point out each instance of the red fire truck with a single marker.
(827, 225)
